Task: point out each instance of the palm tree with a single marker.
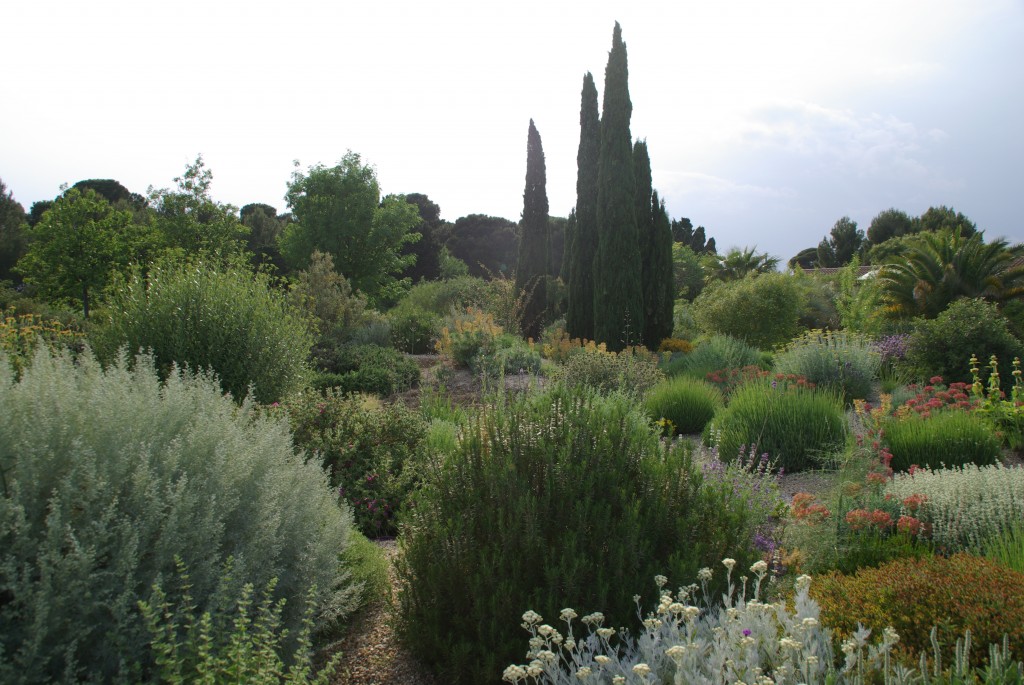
(736, 264)
(938, 268)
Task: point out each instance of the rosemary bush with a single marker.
(843, 361)
(687, 402)
(108, 475)
(945, 438)
(797, 426)
(565, 495)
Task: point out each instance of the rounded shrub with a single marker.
(369, 448)
(203, 316)
(762, 310)
(414, 330)
(844, 361)
(795, 425)
(711, 354)
(943, 346)
(687, 402)
(954, 594)
(557, 499)
(944, 438)
(363, 368)
(634, 370)
(112, 476)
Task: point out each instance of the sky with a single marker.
(766, 121)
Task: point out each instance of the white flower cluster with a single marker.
(743, 640)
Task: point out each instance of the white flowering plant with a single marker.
(739, 641)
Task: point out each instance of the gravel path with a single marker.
(372, 653)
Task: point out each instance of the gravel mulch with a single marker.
(372, 654)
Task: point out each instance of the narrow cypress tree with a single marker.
(579, 319)
(535, 237)
(645, 236)
(661, 320)
(618, 298)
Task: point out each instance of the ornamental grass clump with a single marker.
(713, 353)
(799, 427)
(110, 475)
(944, 438)
(686, 402)
(844, 361)
(964, 506)
(691, 637)
(562, 496)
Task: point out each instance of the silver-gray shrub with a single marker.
(844, 361)
(110, 474)
(966, 506)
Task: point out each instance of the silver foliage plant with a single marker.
(109, 475)
(738, 641)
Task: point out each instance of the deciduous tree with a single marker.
(339, 210)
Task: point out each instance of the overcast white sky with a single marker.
(766, 120)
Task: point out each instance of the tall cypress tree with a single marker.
(579, 319)
(661, 300)
(535, 236)
(618, 298)
(645, 237)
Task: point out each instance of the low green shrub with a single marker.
(369, 448)
(687, 402)
(561, 497)
(714, 353)
(954, 594)
(763, 310)
(414, 330)
(109, 476)
(242, 643)
(368, 566)
(944, 345)
(844, 361)
(964, 506)
(508, 355)
(797, 426)
(363, 368)
(945, 438)
(444, 296)
(633, 370)
(204, 316)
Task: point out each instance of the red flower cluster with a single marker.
(862, 518)
(805, 507)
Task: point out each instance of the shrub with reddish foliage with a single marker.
(727, 380)
(955, 594)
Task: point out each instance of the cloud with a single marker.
(865, 145)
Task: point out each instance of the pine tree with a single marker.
(579, 319)
(535, 236)
(618, 298)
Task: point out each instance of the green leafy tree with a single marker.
(738, 263)
(265, 227)
(37, 210)
(487, 244)
(944, 218)
(843, 243)
(427, 249)
(76, 246)
(339, 210)
(535, 238)
(890, 223)
(13, 238)
(579, 318)
(806, 258)
(192, 222)
(937, 268)
(687, 272)
(618, 290)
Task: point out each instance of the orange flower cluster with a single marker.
(805, 507)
